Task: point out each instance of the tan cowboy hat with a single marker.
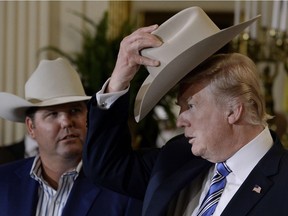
(53, 82)
(189, 37)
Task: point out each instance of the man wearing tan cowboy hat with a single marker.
(53, 183)
(227, 162)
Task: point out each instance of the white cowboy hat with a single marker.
(53, 82)
(189, 37)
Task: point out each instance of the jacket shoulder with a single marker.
(15, 168)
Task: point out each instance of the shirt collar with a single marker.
(36, 170)
(252, 152)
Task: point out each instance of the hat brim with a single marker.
(14, 108)
(155, 87)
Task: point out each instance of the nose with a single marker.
(66, 120)
(182, 121)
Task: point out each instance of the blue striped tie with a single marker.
(212, 198)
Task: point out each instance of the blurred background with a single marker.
(88, 34)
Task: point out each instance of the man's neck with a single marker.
(52, 172)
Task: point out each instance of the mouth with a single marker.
(190, 139)
(69, 137)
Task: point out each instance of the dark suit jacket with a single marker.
(19, 195)
(157, 176)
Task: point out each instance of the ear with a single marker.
(30, 127)
(235, 113)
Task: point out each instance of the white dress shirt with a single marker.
(252, 154)
(51, 202)
(105, 100)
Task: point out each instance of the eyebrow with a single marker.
(189, 98)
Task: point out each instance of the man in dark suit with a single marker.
(53, 183)
(227, 162)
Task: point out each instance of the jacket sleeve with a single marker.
(108, 158)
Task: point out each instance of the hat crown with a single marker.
(53, 79)
(54, 82)
(179, 33)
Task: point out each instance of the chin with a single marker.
(195, 152)
(198, 152)
(72, 151)
(75, 155)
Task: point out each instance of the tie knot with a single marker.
(223, 169)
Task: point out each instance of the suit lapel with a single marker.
(247, 196)
(163, 187)
(23, 192)
(81, 198)
(257, 183)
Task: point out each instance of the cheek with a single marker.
(82, 127)
(217, 137)
(84, 132)
(82, 122)
(211, 130)
(46, 130)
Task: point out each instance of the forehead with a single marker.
(79, 104)
(187, 90)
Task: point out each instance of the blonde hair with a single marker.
(232, 77)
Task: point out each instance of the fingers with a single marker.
(132, 45)
(129, 57)
(142, 38)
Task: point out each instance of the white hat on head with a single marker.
(53, 82)
(189, 37)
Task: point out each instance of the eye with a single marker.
(52, 114)
(190, 105)
(76, 110)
